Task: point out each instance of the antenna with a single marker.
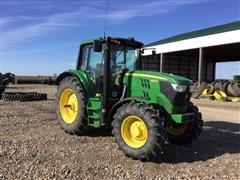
(105, 20)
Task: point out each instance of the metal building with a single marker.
(194, 55)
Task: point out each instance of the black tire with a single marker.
(221, 85)
(194, 87)
(218, 85)
(79, 125)
(213, 83)
(224, 86)
(192, 131)
(231, 90)
(228, 91)
(23, 97)
(155, 128)
(198, 93)
(236, 89)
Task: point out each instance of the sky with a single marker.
(42, 37)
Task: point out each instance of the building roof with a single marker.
(203, 32)
(209, 37)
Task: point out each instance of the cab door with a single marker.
(92, 64)
(123, 59)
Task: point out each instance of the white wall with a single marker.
(204, 41)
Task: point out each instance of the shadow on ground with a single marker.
(96, 132)
(218, 138)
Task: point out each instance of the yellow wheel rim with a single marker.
(220, 95)
(208, 90)
(134, 131)
(177, 130)
(68, 106)
(234, 99)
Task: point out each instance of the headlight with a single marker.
(179, 87)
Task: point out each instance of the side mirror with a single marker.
(142, 51)
(97, 46)
(154, 52)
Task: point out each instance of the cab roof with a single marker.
(131, 42)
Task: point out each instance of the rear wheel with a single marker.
(188, 132)
(138, 131)
(71, 106)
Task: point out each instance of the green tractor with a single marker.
(143, 108)
(5, 79)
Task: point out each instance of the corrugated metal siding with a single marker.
(182, 66)
(151, 63)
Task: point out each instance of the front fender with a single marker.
(82, 76)
(119, 104)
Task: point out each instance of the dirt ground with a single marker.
(33, 146)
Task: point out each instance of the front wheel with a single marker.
(188, 132)
(138, 131)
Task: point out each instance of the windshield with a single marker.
(124, 57)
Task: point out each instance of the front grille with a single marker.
(176, 98)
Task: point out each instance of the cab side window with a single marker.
(92, 63)
(95, 65)
(85, 56)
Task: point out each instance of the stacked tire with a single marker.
(199, 91)
(231, 89)
(23, 97)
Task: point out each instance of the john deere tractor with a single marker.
(5, 79)
(109, 89)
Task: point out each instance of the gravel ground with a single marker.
(32, 146)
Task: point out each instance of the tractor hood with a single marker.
(160, 77)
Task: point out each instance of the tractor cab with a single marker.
(125, 55)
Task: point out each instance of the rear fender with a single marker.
(82, 76)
